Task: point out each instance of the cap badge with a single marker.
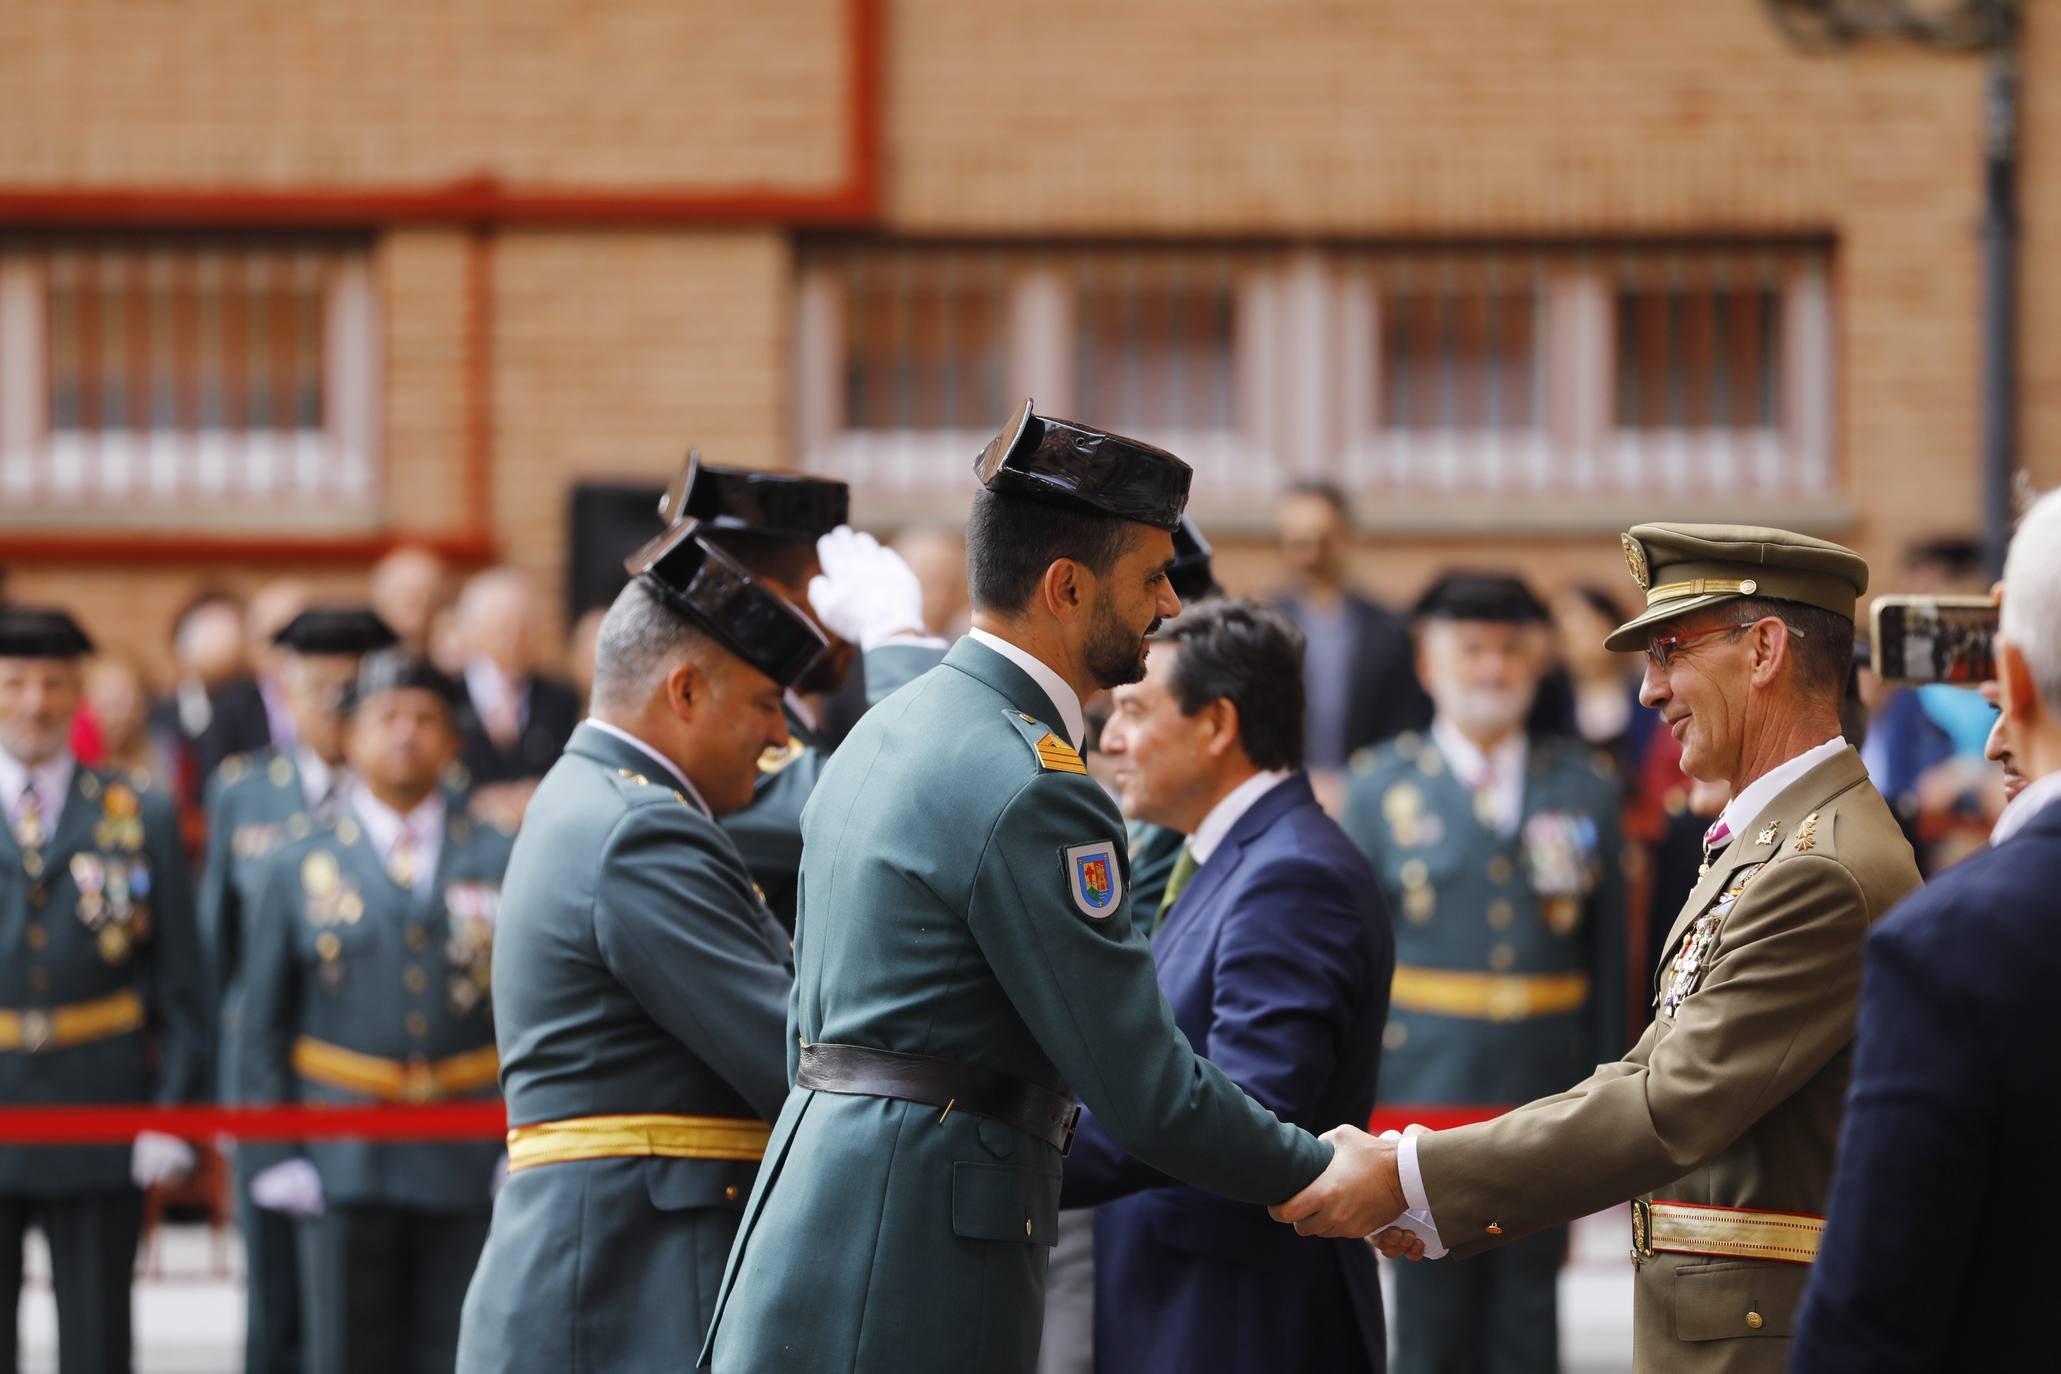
(1635, 560)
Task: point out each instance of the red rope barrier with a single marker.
(488, 1120)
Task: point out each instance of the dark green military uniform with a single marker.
(100, 1002)
(1509, 983)
(256, 805)
(643, 988)
(357, 990)
(964, 896)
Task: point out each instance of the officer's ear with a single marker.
(687, 689)
(1064, 589)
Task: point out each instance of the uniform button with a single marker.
(415, 978)
(1394, 1035)
(1499, 869)
(730, 1193)
(1500, 914)
(37, 936)
(1755, 1320)
(1414, 872)
(1502, 958)
(38, 894)
(418, 938)
(418, 1024)
(39, 981)
(1494, 1228)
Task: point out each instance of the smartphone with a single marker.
(1935, 639)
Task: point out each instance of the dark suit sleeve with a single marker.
(1609, 954)
(271, 1005)
(1914, 1148)
(177, 981)
(679, 931)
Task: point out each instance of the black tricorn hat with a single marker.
(715, 593)
(342, 630)
(782, 505)
(35, 632)
(394, 670)
(1063, 460)
(1190, 572)
(1501, 597)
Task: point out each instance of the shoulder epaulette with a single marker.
(1055, 755)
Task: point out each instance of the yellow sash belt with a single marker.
(647, 1134)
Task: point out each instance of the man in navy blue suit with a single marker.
(1935, 1253)
(1275, 953)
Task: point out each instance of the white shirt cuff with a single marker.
(1413, 1177)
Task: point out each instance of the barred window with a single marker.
(187, 382)
(1534, 383)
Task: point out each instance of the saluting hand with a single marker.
(1359, 1192)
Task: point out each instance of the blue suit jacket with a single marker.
(1276, 962)
(1935, 1255)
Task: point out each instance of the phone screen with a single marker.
(1935, 639)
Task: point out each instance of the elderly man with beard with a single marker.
(1498, 850)
(966, 957)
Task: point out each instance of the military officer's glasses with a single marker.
(1661, 649)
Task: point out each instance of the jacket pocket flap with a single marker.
(995, 1202)
(1732, 1298)
(677, 1185)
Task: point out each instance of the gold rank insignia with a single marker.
(773, 760)
(1767, 836)
(1055, 755)
(1635, 561)
(1806, 835)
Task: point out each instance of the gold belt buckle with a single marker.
(36, 1031)
(418, 1081)
(1508, 1000)
(1642, 1231)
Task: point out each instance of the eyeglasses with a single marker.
(1661, 649)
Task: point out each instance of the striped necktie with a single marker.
(28, 817)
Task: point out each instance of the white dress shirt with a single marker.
(693, 794)
(1740, 811)
(425, 825)
(1230, 809)
(1053, 685)
(493, 691)
(53, 779)
(1497, 774)
(2037, 796)
(319, 782)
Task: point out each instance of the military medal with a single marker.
(114, 943)
(1403, 807)
(1700, 943)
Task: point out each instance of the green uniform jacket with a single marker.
(102, 910)
(964, 896)
(643, 978)
(1546, 901)
(768, 833)
(350, 958)
(255, 805)
(1733, 1096)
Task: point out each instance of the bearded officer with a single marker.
(1721, 1122)
(365, 981)
(641, 991)
(1498, 849)
(790, 532)
(965, 953)
(255, 804)
(100, 997)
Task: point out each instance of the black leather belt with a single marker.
(954, 1087)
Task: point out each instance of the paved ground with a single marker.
(189, 1305)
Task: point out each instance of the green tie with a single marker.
(1184, 869)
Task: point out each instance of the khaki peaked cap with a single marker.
(1684, 568)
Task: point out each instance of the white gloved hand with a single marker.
(157, 1157)
(865, 594)
(292, 1186)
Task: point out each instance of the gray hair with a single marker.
(640, 641)
(2032, 596)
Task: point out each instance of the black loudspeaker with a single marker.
(609, 522)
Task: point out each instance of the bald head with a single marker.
(408, 587)
(497, 616)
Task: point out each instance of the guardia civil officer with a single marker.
(1497, 848)
(1720, 1123)
(789, 531)
(100, 993)
(640, 985)
(257, 803)
(365, 980)
(966, 957)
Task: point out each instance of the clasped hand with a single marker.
(1360, 1193)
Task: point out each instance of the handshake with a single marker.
(1360, 1193)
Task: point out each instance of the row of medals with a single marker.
(333, 900)
(1701, 940)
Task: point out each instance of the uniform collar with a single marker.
(2039, 794)
(1230, 809)
(1499, 771)
(1741, 810)
(660, 759)
(53, 780)
(1063, 697)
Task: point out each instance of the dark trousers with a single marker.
(92, 1261)
(1497, 1313)
(383, 1286)
(272, 1286)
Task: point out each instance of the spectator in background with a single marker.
(410, 588)
(937, 555)
(515, 722)
(207, 652)
(580, 648)
(1358, 676)
(128, 740)
(1927, 1260)
(1604, 686)
(250, 712)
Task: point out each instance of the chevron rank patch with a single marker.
(1093, 879)
(1055, 755)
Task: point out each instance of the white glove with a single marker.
(1416, 1221)
(866, 594)
(292, 1187)
(157, 1157)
